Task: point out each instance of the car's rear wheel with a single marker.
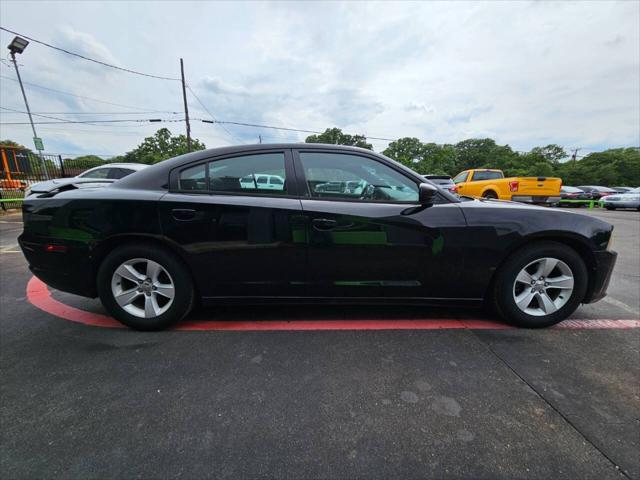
(609, 207)
(540, 285)
(145, 287)
(490, 194)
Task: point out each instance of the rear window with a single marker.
(478, 176)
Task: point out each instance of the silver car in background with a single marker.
(622, 200)
(94, 177)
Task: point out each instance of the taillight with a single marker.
(513, 186)
(55, 248)
(453, 189)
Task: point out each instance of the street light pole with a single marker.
(37, 141)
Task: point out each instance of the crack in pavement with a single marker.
(553, 407)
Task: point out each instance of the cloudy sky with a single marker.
(524, 73)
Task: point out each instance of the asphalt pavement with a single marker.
(78, 401)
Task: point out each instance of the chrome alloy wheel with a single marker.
(142, 288)
(543, 286)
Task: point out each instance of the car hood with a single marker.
(505, 217)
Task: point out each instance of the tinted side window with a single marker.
(477, 176)
(461, 177)
(352, 177)
(194, 178)
(118, 173)
(260, 173)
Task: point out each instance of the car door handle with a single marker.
(324, 223)
(183, 214)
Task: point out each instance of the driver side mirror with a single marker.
(426, 194)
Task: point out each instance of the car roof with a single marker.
(156, 173)
(133, 166)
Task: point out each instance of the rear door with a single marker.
(368, 236)
(241, 236)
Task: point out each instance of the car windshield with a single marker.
(571, 190)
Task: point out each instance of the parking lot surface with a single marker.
(82, 401)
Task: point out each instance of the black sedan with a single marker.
(202, 228)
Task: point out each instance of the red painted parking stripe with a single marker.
(39, 296)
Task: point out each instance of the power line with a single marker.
(99, 62)
(211, 115)
(288, 129)
(86, 98)
(97, 113)
(152, 120)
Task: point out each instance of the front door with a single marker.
(368, 236)
(239, 225)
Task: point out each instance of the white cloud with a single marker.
(524, 73)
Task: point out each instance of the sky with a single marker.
(524, 73)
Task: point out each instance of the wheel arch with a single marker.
(108, 245)
(490, 188)
(579, 244)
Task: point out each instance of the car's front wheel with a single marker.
(145, 287)
(540, 285)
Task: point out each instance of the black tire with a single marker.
(503, 286)
(490, 194)
(183, 299)
(608, 207)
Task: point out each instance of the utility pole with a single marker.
(186, 108)
(36, 139)
(575, 154)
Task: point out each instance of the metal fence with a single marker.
(20, 168)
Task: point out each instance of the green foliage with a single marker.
(614, 167)
(11, 143)
(86, 161)
(161, 146)
(334, 136)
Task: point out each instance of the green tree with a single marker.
(483, 153)
(334, 136)
(551, 153)
(11, 143)
(613, 167)
(160, 146)
(85, 161)
(408, 150)
(438, 160)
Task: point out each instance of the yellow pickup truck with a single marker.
(488, 183)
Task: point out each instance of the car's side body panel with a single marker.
(85, 225)
(380, 249)
(238, 245)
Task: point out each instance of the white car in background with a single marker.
(94, 177)
(262, 181)
(630, 199)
